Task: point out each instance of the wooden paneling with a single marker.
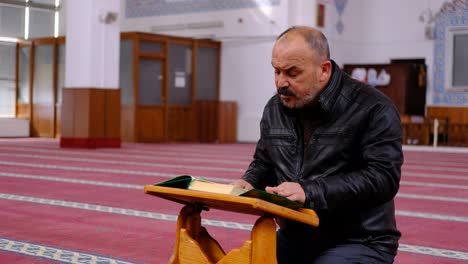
(23, 110)
(91, 118)
(456, 130)
(457, 135)
(452, 127)
(217, 121)
(207, 120)
(58, 114)
(181, 124)
(97, 113)
(67, 124)
(150, 124)
(128, 123)
(113, 112)
(227, 122)
(81, 112)
(457, 115)
(43, 120)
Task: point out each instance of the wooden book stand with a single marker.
(194, 245)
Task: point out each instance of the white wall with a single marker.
(247, 78)
(375, 31)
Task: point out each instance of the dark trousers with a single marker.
(292, 251)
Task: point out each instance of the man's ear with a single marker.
(326, 72)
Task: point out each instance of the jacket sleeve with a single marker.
(260, 168)
(377, 180)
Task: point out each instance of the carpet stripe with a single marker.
(245, 161)
(432, 197)
(180, 166)
(121, 211)
(438, 149)
(140, 187)
(174, 154)
(436, 185)
(217, 223)
(435, 168)
(121, 162)
(432, 216)
(171, 175)
(54, 253)
(432, 175)
(436, 252)
(62, 152)
(70, 180)
(74, 168)
(166, 217)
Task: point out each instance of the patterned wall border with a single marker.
(145, 8)
(451, 14)
(55, 254)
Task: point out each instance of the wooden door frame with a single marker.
(160, 57)
(43, 42)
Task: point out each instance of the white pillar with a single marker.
(92, 44)
(91, 96)
(302, 12)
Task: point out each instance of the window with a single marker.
(22, 19)
(7, 79)
(456, 59)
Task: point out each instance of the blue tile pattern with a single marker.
(340, 6)
(145, 8)
(451, 14)
(54, 253)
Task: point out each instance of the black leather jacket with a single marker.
(353, 168)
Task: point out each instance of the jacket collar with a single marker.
(330, 94)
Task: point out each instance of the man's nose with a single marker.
(281, 80)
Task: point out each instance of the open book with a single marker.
(198, 184)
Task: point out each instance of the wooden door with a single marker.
(151, 114)
(60, 84)
(43, 90)
(23, 83)
(181, 122)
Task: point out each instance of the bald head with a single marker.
(313, 37)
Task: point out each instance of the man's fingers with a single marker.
(272, 189)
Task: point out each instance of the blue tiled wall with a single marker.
(457, 15)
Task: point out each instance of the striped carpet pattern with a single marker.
(88, 206)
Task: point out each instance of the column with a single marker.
(91, 95)
(302, 12)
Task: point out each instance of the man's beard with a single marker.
(307, 100)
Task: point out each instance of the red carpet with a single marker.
(88, 206)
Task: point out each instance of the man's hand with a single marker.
(291, 190)
(243, 184)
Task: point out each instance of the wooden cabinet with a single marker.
(407, 87)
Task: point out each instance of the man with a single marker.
(333, 144)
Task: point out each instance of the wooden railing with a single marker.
(435, 132)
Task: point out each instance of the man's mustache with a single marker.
(285, 91)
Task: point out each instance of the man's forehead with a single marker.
(288, 57)
(287, 62)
